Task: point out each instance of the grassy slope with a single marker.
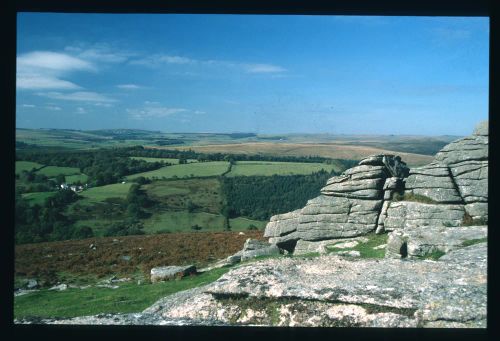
(26, 166)
(249, 168)
(102, 193)
(37, 197)
(129, 297)
(52, 171)
(202, 169)
(182, 221)
(70, 179)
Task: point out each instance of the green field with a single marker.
(52, 171)
(37, 197)
(182, 221)
(26, 166)
(265, 168)
(204, 193)
(201, 169)
(97, 194)
(161, 159)
(71, 179)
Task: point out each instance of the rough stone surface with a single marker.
(407, 214)
(304, 247)
(423, 241)
(165, 273)
(481, 129)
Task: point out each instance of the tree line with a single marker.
(260, 197)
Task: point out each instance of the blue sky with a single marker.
(243, 73)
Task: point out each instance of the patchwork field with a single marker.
(264, 168)
(26, 166)
(102, 193)
(71, 179)
(178, 194)
(161, 159)
(200, 169)
(53, 171)
(330, 150)
(183, 221)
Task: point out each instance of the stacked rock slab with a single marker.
(349, 204)
(451, 193)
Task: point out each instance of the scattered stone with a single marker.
(107, 286)
(166, 273)
(241, 233)
(32, 284)
(351, 253)
(60, 287)
(380, 247)
(92, 247)
(126, 258)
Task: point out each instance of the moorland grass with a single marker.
(128, 298)
(71, 179)
(367, 250)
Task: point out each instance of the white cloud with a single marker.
(264, 68)
(79, 96)
(199, 112)
(128, 86)
(29, 106)
(53, 108)
(47, 70)
(153, 112)
(39, 82)
(81, 110)
(450, 34)
(52, 61)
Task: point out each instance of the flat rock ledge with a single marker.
(329, 291)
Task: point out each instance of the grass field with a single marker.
(201, 169)
(97, 194)
(37, 197)
(52, 171)
(26, 166)
(264, 168)
(71, 179)
(330, 150)
(182, 221)
(176, 194)
(162, 159)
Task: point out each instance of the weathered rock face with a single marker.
(349, 206)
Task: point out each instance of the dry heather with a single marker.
(125, 255)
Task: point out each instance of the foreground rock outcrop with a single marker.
(330, 291)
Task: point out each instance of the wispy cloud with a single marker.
(28, 106)
(161, 59)
(81, 110)
(52, 61)
(46, 70)
(450, 35)
(158, 60)
(79, 96)
(99, 52)
(264, 68)
(153, 110)
(128, 86)
(53, 108)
